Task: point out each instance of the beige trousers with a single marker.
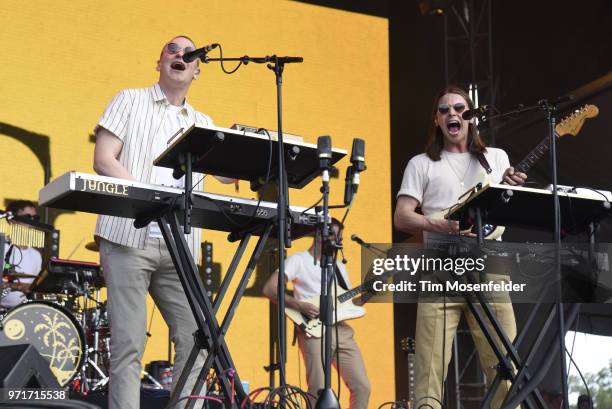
(129, 274)
(352, 368)
(431, 363)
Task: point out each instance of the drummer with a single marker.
(20, 260)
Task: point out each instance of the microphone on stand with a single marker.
(324, 152)
(471, 113)
(199, 53)
(359, 241)
(358, 155)
(351, 181)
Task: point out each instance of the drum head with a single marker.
(52, 330)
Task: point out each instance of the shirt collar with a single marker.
(159, 96)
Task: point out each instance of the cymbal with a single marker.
(21, 275)
(92, 246)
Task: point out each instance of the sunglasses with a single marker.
(174, 48)
(31, 216)
(459, 107)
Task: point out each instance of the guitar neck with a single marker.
(534, 156)
(570, 125)
(350, 294)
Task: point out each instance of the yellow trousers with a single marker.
(434, 332)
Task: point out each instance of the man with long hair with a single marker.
(454, 160)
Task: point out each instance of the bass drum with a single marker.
(52, 330)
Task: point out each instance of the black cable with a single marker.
(8, 259)
(393, 404)
(570, 354)
(346, 213)
(594, 190)
(223, 66)
(308, 208)
(205, 398)
(289, 397)
(150, 325)
(197, 183)
(253, 216)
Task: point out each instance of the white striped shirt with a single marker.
(135, 116)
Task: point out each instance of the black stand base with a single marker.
(327, 400)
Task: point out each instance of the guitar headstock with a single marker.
(407, 345)
(572, 123)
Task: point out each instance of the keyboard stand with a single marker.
(512, 206)
(210, 336)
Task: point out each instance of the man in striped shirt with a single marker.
(134, 129)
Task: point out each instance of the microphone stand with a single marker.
(327, 398)
(550, 109)
(277, 64)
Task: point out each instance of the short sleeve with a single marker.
(203, 119)
(502, 163)
(413, 182)
(292, 266)
(116, 115)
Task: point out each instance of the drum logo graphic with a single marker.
(54, 333)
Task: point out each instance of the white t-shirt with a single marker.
(26, 260)
(163, 176)
(437, 184)
(306, 276)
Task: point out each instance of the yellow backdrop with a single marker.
(64, 60)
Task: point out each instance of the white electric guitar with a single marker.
(346, 310)
(570, 125)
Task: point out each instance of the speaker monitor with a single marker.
(23, 367)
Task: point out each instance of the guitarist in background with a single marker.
(305, 272)
(452, 163)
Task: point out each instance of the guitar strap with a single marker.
(484, 162)
(340, 278)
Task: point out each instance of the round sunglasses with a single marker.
(174, 48)
(459, 107)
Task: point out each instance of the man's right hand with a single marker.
(445, 226)
(308, 309)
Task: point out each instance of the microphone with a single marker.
(358, 161)
(324, 152)
(471, 113)
(348, 191)
(358, 240)
(199, 53)
(351, 181)
(358, 155)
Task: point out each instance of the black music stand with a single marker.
(207, 150)
(242, 155)
(520, 206)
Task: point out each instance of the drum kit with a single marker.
(65, 320)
